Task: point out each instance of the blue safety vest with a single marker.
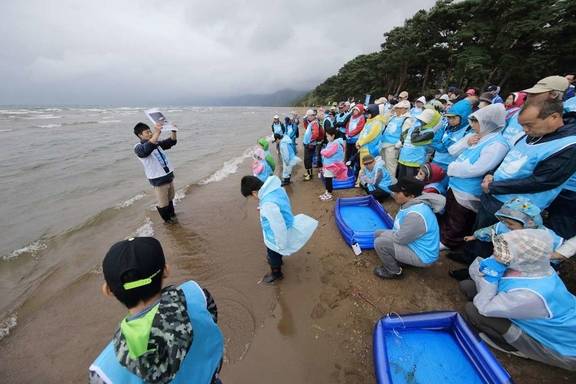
(201, 361)
(341, 118)
(336, 157)
(412, 155)
(449, 137)
(277, 128)
(385, 181)
(513, 130)
(373, 146)
(558, 331)
(520, 163)
(427, 246)
(472, 185)
(352, 123)
(393, 131)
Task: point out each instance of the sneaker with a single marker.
(485, 338)
(307, 177)
(327, 197)
(460, 274)
(271, 277)
(384, 274)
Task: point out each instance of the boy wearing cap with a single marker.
(158, 169)
(170, 333)
(284, 233)
(415, 237)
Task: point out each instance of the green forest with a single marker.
(510, 43)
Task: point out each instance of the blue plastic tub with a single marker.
(432, 347)
(358, 217)
(347, 183)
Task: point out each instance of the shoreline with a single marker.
(313, 327)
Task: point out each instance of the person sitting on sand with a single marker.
(289, 158)
(284, 233)
(520, 306)
(375, 179)
(170, 334)
(157, 167)
(333, 162)
(415, 237)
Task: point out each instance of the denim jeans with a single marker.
(274, 258)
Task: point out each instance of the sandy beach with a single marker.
(313, 327)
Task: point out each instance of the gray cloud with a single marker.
(148, 51)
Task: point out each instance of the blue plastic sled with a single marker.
(432, 347)
(358, 217)
(347, 183)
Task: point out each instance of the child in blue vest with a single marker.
(284, 233)
(170, 333)
(333, 162)
(375, 179)
(520, 306)
(287, 155)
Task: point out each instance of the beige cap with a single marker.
(403, 95)
(381, 100)
(550, 83)
(309, 112)
(403, 104)
(426, 116)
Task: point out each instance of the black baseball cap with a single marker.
(142, 256)
(409, 186)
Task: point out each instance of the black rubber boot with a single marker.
(274, 275)
(172, 213)
(165, 213)
(285, 181)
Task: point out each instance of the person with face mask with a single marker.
(519, 304)
(479, 153)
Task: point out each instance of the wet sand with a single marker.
(313, 327)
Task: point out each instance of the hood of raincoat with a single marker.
(463, 108)
(270, 185)
(433, 200)
(259, 154)
(491, 118)
(523, 210)
(526, 251)
(263, 143)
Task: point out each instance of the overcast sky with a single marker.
(126, 52)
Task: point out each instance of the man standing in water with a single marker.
(157, 167)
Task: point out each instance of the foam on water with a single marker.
(5, 130)
(31, 249)
(230, 167)
(145, 230)
(7, 324)
(179, 195)
(109, 121)
(43, 117)
(130, 201)
(49, 125)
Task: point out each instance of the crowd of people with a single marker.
(489, 181)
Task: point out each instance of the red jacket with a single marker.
(358, 127)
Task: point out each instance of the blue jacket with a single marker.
(451, 135)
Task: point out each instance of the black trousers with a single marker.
(456, 222)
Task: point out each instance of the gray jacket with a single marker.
(413, 225)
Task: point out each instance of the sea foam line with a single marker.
(130, 201)
(6, 325)
(32, 249)
(230, 167)
(146, 230)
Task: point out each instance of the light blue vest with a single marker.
(286, 147)
(307, 139)
(280, 198)
(373, 146)
(448, 139)
(267, 170)
(513, 130)
(472, 185)
(340, 118)
(329, 120)
(558, 332)
(393, 131)
(291, 131)
(412, 155)
(570, 185)
(520, 163)
(415, 111)
(201, 361)
(385, 181)
(277, 127)
(336, 157)
(427, 247)
(352, 123)
(440, 187)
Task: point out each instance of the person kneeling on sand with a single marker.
(520, 306)
(157, 167)
(288, 156)
(375, 179)
(415, 237)
(284, 233)
(170, 333)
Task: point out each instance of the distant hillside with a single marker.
(282, 98)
